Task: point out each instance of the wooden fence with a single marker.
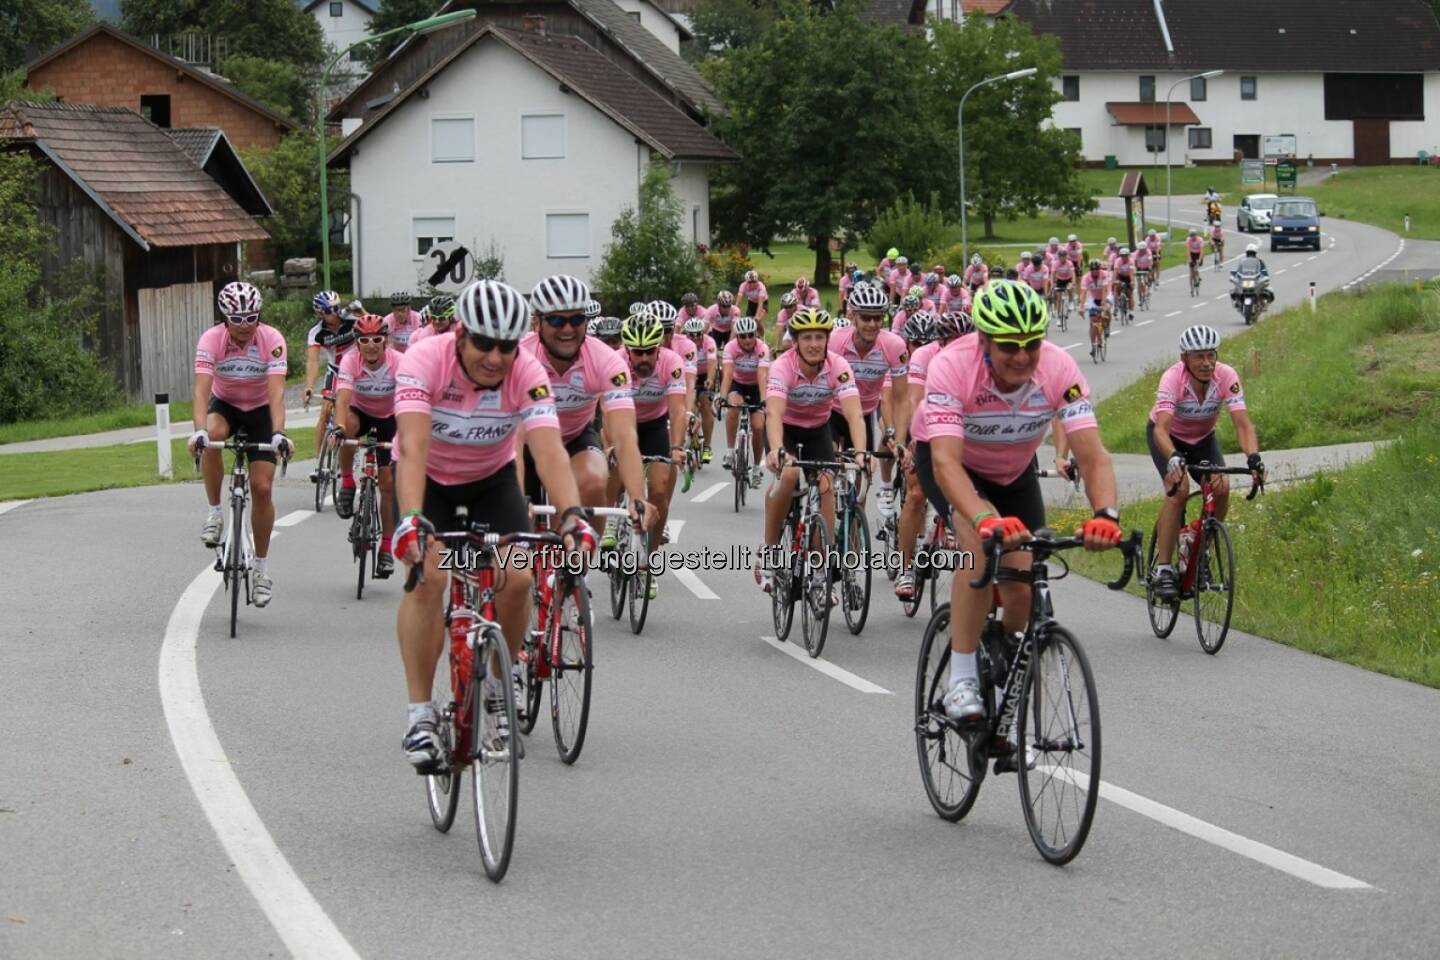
(171, 321)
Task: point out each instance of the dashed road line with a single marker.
(826, 667)
(709, 492)
(1375, 269)
(1197, 306)
(1143, 323)
(294, 517)
(694, 584)
(1173, 313)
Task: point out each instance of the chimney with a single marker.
(534, 23)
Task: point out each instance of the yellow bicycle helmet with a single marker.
(810, 318)
(642, 331)
(1008, 308)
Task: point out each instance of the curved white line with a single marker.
(289, 906)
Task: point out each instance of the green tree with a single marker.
(721, 26)
(1014, 165)
(289, 176)
(392, 14)
(268, 29)
(279, 85)
(30, 27)
(650, 258)
(820, 110)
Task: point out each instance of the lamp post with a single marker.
(418, 27)
(1199, 76)
(960, 125)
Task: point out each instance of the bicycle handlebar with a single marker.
(1256, 486)
(1074, 477)
(483, 538)
(1045, 543)
(375, 444)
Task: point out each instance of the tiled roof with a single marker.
(140, 177)
(650, 52)
(914, 12)
(197, 142)
(213, 152)
(650, 117)
(1373, 36)
(1150, 114)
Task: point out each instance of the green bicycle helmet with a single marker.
(1007, 308)
(642, 331)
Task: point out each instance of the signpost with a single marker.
(1252, 171)
(1285, 172)
(447, 267)
(1277, 145)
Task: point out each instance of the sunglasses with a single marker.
(485, 344)
(557, 320)
(244, 318)
(1012, 347)
(368, 340)
(745, 336)
(642, 351)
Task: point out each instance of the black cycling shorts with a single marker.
(1022, 498)
(1061, 284)
(654, 437)
(587, 439)
(751, 307)
(809, 443)
(1207, 450)
(384, 428)
(256, 423)
(495, 500)
(749, 392)
(840, 429)
(721, 338)
(700, 389)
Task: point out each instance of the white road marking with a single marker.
(1196, 306)
(1144, 322)
(1072, 346)
(709, 492)
(694, 584)
(1308, 259)
(826, 667)
(294, 517)
(1375, 269)
(296, 915)
(1281, 270)
(1200, 829)
(8, 505)
(675, 527)
(1223, 296)
(1173, 313)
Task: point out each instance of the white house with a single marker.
(1348, 81)
(531, 142)
(666, 27)
(344, 21)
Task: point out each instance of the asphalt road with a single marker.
(730, 801)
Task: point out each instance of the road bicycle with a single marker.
(235, 554)
(1122, 305)
(889, 531)
(1142, 290)
(741, 472)
(1218, 254)
(365, 527)
(1194, 277)
(469, 713)
(1206, 567)
(326, 475)
(852, 542)
(694, 449)
(801, 561)
(631, 577)
(1099, 334)
(1042, 717)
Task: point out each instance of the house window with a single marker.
(1198, 88)
(430, 231)
(1070, 87)
(634, 15)
(1147, 89)
(337, 9)
(567, 235)
(1199, 138)
(1155, 139)
(155, 107)
(542, 136)
(1247, 88)
(452, 139)
(1076, 133)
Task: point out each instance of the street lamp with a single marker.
(418, 27)
(960, 125)
(1199, 76)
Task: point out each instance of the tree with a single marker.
(650, 259)
(268, 29)
(289, 176)
(721, 26)
(30, 27)
(392, 14)
(1013, 164)
(819, 109)
(279, 85)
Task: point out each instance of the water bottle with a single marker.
(1187, 537)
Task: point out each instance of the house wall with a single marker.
(108, 73)
(692, 186)
(1285, 103)
(498, 195)
(654, 21)
(345, 29)
(1409, 137)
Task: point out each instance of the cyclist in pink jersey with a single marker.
(365, 402)
(707, 377)
(988, 402)
(720, 318)
(690, 309)
(402, 321)
(1039, 276)
(756, 297)
(879, 359)
(1217, 240)
(806, 295)
(1157, 253)
(1075, 250)
(1181, 433)
(667, 315)
(800, 390)
(788, 306)
(909, 306)
(744, 367)
(1122, 269)
(1095, 288)
(1112, 250)
(441, 314)
(463, 406)
(1195, 248)
(977, 274)
(240, 385)
(897, 278)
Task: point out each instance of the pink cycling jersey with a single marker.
(976, 276)
(652, 393)
(685, 347)
(1144, 259)
(241, 375)
(1074, 249)
(705, 350)
(720, 321)
(754, 292)
(598, 374)
(372, 389)
(402, 330)
(1196, 245)
(688, 313)
(1064, 269)
(887, 358)
(782, 319)
(899, 321)
(809, 297)
(747, 364)
(920, 362)
(1038, 277)
(472, 429)
(428, 331)
(1123, 267)
(808, 401)
(1002, 431)
(1193, 416)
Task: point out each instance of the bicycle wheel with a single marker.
(1214, 587)
(235, 559)
(1058, 729)
(939, 588)
(740, 472)
(360, 532)
(782, 596)
(442, 789)
(322, 467)
(530, 710)
(815, 586)
(919, 572)
(855, 571)
(945, 769)
(640, 598)
(493, 760)
(1163, 614)
(619, 584)
(890, 533)
(572, 654)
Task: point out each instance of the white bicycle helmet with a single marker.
(1071, 238)
(788, 299)
(1199, 338)
(560, 294)
(664, 312)
(866, 297)
(493, 309)
(592, 309)
(238, 299)
(694, 325)
(840, 322)
(746, 327)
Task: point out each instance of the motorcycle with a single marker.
(1250, 292)
(1212, 212)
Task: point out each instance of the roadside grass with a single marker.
(1183, 180)
(1383, 196)
(1364, 367)
(56, 473)
(1345, 565)
(121, 418)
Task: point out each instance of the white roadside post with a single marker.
(162, 435)
(1407, 223)
(1313, 308)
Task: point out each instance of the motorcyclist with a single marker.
(1252, 267)
(1212, 205)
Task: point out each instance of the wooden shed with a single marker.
(124, 200)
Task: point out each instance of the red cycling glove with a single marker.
(1008, 527)
(1102, 528)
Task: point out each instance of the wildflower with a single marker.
(1417, 553)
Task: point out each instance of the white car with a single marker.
(1253, 214)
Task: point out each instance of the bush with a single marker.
(953, 257)
(650, 258)
(913, 228)
(724, 267)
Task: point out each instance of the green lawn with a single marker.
(1383, 196)
(1364, 367)
(136, 415)
(1184, 180)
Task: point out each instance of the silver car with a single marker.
(1253, 214)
